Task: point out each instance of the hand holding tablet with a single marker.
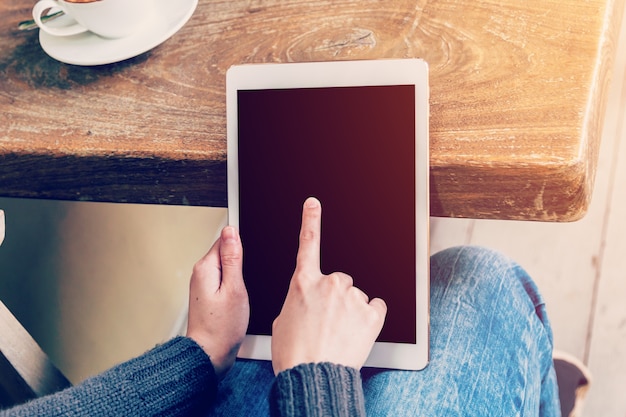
(324, 318)
(218, 301)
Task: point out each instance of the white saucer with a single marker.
(90, 49)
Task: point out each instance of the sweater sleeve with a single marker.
(320, 389)
(173, 379)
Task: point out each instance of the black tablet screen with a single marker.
(354, 149)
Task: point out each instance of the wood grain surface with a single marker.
(518, 91)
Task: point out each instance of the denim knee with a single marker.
(480, 273)
(483, 266)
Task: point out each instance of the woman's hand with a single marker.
(218, 301)
(324, 318)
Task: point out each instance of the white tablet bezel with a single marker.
(346, 74)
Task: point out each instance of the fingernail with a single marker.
(229, 234)
(311, 202)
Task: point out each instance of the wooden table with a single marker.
(518, 91)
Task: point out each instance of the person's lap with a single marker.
(491, 350)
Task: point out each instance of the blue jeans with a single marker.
(491, 351)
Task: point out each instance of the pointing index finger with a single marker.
(309, 249)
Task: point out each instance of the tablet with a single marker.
(354, 134)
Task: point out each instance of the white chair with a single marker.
(26, 372)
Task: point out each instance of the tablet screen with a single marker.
(354, 149)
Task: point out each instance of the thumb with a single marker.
(231, 256)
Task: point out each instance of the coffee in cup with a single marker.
(107, 18)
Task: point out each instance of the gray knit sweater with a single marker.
(177, 379)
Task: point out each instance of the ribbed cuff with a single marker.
(318, 389)
(174, 379)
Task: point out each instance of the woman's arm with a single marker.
(173, 379)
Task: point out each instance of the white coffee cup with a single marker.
(107, 18)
